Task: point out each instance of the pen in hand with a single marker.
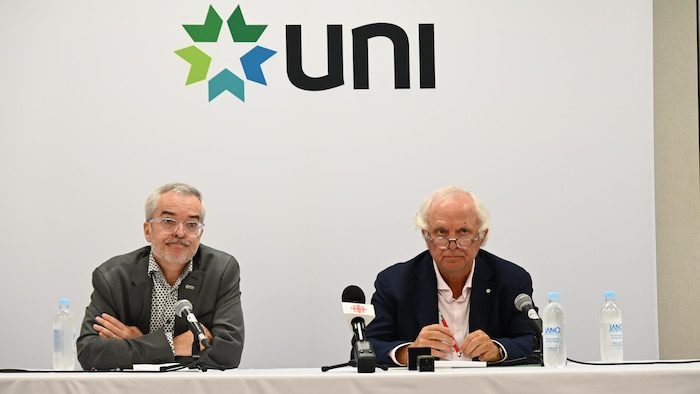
(454, 344)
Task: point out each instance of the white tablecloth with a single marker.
(656, 379)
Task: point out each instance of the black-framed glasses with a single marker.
(444, 243)
(191, 227)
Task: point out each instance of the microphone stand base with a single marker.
(351, 363)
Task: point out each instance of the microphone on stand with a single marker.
(524, 304)
(358, 315)
(183, 308)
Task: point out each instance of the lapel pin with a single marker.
(189, 287)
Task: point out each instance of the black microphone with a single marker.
(183, 308)
(354, 294)
(524, 304)
(359, 314)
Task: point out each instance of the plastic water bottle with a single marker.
(64, 337)
(553, 345)
(610, 330)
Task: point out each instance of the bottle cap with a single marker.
(63, 301)
(610, 295)
(553, 295)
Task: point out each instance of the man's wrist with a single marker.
(502, 353)
(399, 354)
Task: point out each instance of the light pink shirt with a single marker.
(454, 310)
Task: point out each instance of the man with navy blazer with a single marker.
(454, 298)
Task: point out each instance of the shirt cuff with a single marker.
(169, 337)
(392, 353)
(502, 351)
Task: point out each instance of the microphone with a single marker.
(183, 308)
(358, 315)
(356, 312)
(524, 304)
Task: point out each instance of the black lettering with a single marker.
(295, 71)
(426, 49)
(360, 52)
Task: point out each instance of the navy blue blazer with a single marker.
(405, 301)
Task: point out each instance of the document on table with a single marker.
(459, 364)
(156, 367)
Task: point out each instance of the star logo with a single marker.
(225, 80)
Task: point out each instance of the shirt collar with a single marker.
(154, 269)
(444, 289)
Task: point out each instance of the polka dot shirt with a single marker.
(163, 299)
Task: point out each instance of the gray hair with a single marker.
(421, 219)
(179, 188)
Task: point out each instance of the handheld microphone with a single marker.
(183, 308)
(358, 315)
(523, 303)
(356, 312)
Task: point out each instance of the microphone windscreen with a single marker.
(181, 305)
(523, 302)
(354, 294)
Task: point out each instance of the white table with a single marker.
(656, 379)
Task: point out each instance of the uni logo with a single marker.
(225, 80)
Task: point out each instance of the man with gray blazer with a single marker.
(131, 317)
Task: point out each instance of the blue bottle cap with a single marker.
(63, 301)
(553, 295)
(610, 295)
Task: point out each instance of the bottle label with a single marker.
(552, 330)
(551, 336)
(615, 335)
(58, 340)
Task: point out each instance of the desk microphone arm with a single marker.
(351, 363)
(536, 356)
(195, 362)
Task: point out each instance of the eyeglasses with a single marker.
(444, 243)
(171, 225)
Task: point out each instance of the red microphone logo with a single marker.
(358, 308)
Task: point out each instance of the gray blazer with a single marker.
(123, 289)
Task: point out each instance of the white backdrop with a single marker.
(543, 108)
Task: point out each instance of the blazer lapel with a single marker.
(140, 295)
(482, 295)
(424, 292)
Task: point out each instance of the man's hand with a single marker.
(479, 344)
(183, 342)
(440, 339)
(109, 327)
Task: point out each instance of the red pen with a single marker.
(454, 344)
